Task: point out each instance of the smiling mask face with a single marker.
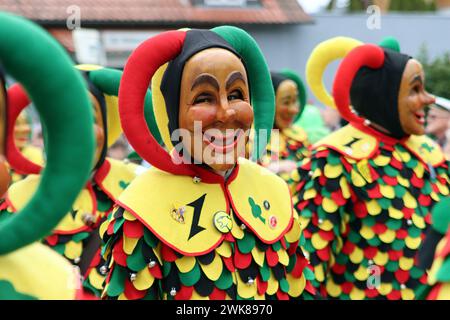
(214, 95)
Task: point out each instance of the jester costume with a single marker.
(30, 270)
(365, 197)
(182, 231)
(289, 143)
(76, 236)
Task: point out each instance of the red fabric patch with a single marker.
(261, 285)
(348, 248)
(379, 228)
(132, 293)
(322, 153)
(323, 254)
(96, 259)
(271, 257)
(424, 200)
(118, 254)
(407, 213)
(156, 272)
(323, 180)
(133, 229)
(434, 293)
(110, 229)
(300, 264)
(326, 235)
(185, 293)
(395, 255)
(396, 164)
(339, 268)
(392, 181)
(371, 293)
(282, 296)
(52, 240)
(309, 287)
(401, 275)
(318, 200)
(338, 198)
(242, 261)
(283, 243)
(168, 254)
(347, 287)
(293, 248)
(370, 252)
(375, 193)
(360, 209)
(394, 295)
(402, 234)
(229, 264)
(416, 182)
(218, 294)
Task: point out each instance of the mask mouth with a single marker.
(222, 142)
(420, 117)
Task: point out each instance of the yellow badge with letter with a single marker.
(350, 142)
(267, 211)
(186, 221)
(425, 149)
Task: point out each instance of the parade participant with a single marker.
(366, 194)
(22, 137)
(211, 230)
(76, 236)
(435, 253)
(30, 270)
(289, 142)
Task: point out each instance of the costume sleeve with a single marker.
(132, 255)
(320, 196)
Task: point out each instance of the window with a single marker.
(227, 3)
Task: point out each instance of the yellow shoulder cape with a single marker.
(183, 212)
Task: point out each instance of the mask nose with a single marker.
(225, 112)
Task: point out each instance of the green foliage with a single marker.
(437, 73)
(395, 5)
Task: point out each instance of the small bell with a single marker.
(196, 179)
(173, 292)
(243, 226)
(310, 173)
(151, 264)
(77, 260)
(367, 122)
(250, 281)
(103, 270)
(409, 222)
(133, 276)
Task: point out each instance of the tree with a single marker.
(437, 73)
(394, 5)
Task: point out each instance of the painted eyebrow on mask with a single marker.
(205, 78)
(236, 75)
(418, 78)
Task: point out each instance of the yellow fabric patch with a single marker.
(333, 289)
(258, 256)
(406, 263)
(73, 249)
(410, 201)
(155, 209)
(272, 284)
(357, 179)
(129, 244)
(296, 133)
(444, 293)
(413, 243)
(214, 269)
(388, 236)
(385, 288)
(350, 142)
(361, 274)
(96, 279)
(373, 208)
(381, 258)
(159, 107)
(245, 290)
(357, 294)
(426, 149)
(394, 213)
(329, 205)
(332, 171)
(317, 242)
(224, 249)
(367, 232)
(128, 216)
(296, 285)
(294, 234)
(363, 168)
(407, 294)
(418, 221)
(38, 271)
(357, 255)
(185, 264)
(310, 194)
(344, 188)
(387, 191)
(257, 207)
(112, 119)
(382, 161)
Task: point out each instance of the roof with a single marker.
(120, 13)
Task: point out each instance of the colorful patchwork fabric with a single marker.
(74, 233)
(217, 241)
(365, 205)
(439, 275)
(293, 145)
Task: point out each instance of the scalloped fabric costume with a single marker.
(30, 270)
(77, 233)
(196, 235)
(365, 199)
(293, 141)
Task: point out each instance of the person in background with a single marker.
(313, 123)
(437, 124)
